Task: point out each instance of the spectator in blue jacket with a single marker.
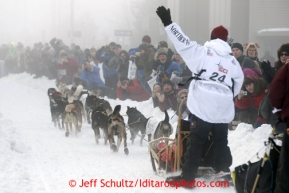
(105, 55)
(90, 74)
(165, 67)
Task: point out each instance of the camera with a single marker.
(244, 92)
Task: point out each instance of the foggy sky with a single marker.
(32, 21)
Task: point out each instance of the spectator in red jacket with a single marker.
(280, 101)
(131, 89)
(249, 99)
(66, 65)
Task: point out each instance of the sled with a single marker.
(167, 154)
(161, 154)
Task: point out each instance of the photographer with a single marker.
(130, 89)
(105, 54)
(144, 61)
(58, 45)
(249, 99)
(120, 63)
(165, 67)
(66, 64)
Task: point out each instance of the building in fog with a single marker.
(262, 21)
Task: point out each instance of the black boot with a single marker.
(179, 181)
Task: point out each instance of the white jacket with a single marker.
(211, 98)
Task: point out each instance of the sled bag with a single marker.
(244, 175)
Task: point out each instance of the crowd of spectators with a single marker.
(159, 66)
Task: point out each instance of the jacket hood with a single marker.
(221, 47)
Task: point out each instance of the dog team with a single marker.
(66, 107)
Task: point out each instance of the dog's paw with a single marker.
(66, 134)
(126, 151)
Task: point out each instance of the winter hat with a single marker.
(122, 78)
(251, 45)
(162, 51)
(146, 39)
(283, 48)
(117, 46)
(112, 44)
(237, 45)
(248, 72)
(143, 46)
(163, 44)
(219, 32)
(168, 82)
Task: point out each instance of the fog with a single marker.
(93, 22)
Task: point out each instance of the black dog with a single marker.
(57, 107)
(137, 122)
(164, 128)
(92, 102)
(99, 119)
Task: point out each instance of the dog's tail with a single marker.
(116, 110)
(78, 92)
(167, 118)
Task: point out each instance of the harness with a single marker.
(56, 93)
(77, 108)
(102, 112)
(118, 117)
(197, 77)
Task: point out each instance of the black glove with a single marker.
(165, 15)
(265, 65)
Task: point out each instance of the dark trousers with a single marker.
(111, 81)
(199, 132)
(282, 179)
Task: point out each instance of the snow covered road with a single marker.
(35, 156)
